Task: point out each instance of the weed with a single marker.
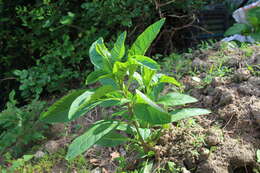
(20, 127)
(131, 82)
(205, 45)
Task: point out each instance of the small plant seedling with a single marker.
(129, 80)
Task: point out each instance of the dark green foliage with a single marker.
(19, 127)
(43, 42)
(47, 40)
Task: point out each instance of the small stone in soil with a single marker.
(52, 146)
(213, 137)
(39, 154)
(241, 74)
(204, 153)
(226, 98)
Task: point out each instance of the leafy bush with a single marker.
(252, 29)
(50, 41)
(20, 127)
(49, 38)
(129, 80)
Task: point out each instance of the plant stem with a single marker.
(130, 111)
(139, 134)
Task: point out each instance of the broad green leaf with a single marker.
(146, 62)
(95, 76)
(58, 112)
(112, 139)
(184, 113)
(101, 91)
(114, 102)
(27, 157)
(103, 51)
(126, 128)
(118, 50)
(76, 107)
(175, 99)
(95, 58)
(145, 132)
(88, 101)
(162, 78)
(84, 109)
(106, 57)
(90, 137)
(157, 89)
(144, 40)
(109, 81)
(237, 28)
(147, 110)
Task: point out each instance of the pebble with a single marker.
(52, 146)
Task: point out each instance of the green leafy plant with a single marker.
(251, 29)
(15, 164)
(20, 127)
(129, 80)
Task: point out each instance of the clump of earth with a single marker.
(233, 128)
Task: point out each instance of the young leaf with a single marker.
(112, 139)
(145, 109)
(175, 99)
(180, 114)
(120, 69)
(146, 61)
(89, 138)
(95, 58)
(58, 112)
(118, 51)
(144, 40)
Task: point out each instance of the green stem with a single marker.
(130, 111)
(139, 134)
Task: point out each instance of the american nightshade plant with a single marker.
(129, 80)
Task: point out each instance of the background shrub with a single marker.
(44, 43)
